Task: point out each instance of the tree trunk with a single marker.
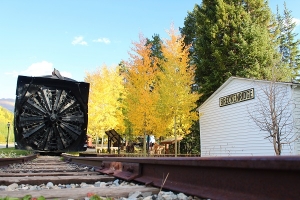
(175, 133)
(144, 144)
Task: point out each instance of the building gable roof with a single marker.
(235, 78)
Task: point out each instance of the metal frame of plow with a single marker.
(51, 114)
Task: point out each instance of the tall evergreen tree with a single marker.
(189, 32)
(232, 38)
(288, 45)
(155, 46)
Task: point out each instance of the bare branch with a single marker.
(273, 114)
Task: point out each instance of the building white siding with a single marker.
(296, 95)
(229, 130)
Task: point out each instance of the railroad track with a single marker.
(53, 178)
(273, 177)
(207, 178)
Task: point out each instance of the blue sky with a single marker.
(81, 35)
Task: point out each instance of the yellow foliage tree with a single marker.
(177, 100)
(106, 97)
(141, 85)
(5, 117)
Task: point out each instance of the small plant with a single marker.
(9, 198)
(26, 197)
(93, 196)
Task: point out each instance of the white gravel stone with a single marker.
(182, 196)
(148, 198)
(12, 187)
(116, 182)
(56, 187)
(146, 194)
(34, 187)
(49, 185)
(83, 184)
(87, 186)
(97, 184)
(166, 196)
(2, 188)
(102, 184)
(134, 195)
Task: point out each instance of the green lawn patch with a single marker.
(13, 153)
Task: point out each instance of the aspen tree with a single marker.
(140, 82)
(106, 97)
(177, 100)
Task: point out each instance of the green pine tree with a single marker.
(232, 38)
(155, 44)
(288, 45)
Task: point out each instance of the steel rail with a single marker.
(23, 159)
(213, 178)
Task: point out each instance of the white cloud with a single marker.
(102, 40)
(79, 40)
(43, 68)
(38, 69)
(297, 21)
(66, 74)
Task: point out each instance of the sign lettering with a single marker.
(236, 97)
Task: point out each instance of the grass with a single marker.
(13, 153)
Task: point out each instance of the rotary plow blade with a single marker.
(51, 113)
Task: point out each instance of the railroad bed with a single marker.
(53, 178)
(253, 177)
(249, 177)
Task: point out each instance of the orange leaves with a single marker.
(141, 77)
(158, 94)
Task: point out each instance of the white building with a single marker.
(226, 125)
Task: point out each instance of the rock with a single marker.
(166, 196)
(134, 195)
(116, 182)
(102, 184)
(34, 187)
(148, 198)
(56, 187)
(49, 185)
(97, 184)
(83, 184)
(87, 186)
(12, 187)
(3, 188)
(182, 196)
(25, 187)
(146, 194)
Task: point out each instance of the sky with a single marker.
(80, 36)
